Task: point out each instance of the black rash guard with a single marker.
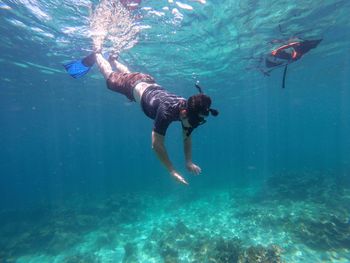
(161, 106)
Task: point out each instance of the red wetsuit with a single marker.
(130, 4)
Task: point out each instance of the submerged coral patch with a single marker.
(213, 226)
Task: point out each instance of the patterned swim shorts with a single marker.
(125, 83)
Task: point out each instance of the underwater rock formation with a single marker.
(320, 187)
(295, 186)
(226, 251)
(260, 254)
(56, 228)
(330, 233)
(80, 258)
(172, 241)
(324, 225)
(130, 255)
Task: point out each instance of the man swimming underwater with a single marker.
(287, 54)
(157, 103)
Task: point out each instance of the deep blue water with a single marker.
(62, 138)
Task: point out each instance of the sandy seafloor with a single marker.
(295, 220)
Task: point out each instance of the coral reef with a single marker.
(312, 186)
(330, 233)
(168, 240)
(172, 240)
(226, 251)
(295, 186)
(222, 227)
(260, 254)
(80, 258)
(53, 230)
(130, 255)
(325, 224)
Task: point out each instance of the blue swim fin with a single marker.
(79, 68)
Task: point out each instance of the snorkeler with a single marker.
(130, 4)
(157, 103)
(289, 53)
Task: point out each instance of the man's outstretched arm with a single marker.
(159, 147)
(188, 155)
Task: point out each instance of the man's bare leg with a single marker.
(103, 65)
(119, 66)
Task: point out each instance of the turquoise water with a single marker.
(80, 182)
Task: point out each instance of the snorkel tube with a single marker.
(213, 112)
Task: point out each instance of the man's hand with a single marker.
(193, 168)
(178, 177)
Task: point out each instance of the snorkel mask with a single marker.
(206, 112)
(198, 108)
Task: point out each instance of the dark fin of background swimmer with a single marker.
(284, 76)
